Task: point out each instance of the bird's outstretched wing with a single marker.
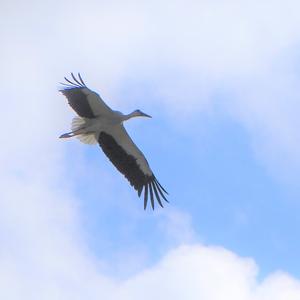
(130, 161)
(85, 102)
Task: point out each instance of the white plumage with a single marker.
(86, 138)
(98, 123)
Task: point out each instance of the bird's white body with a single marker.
(101, 123)
(89, 129)
(98, 123)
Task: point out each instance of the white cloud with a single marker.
(199, 272)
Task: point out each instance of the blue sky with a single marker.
(221, 80)
(214, 177)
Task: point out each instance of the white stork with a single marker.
(98, 123)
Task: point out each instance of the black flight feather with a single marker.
(146, 196)
(151, 195)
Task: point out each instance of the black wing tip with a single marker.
(156, 194)
(145, 196)
(158, 184)
(151, 195)
(140, 189)
(77, 83)
(154, 191)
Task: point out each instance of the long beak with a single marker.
(145, 115)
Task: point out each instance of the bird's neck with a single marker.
(129, 116)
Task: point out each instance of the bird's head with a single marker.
(138, 113)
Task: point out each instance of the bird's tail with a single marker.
(66, 135)
(77, 127)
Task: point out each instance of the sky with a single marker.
(221, 81)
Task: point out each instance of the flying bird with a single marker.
(97, 123)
